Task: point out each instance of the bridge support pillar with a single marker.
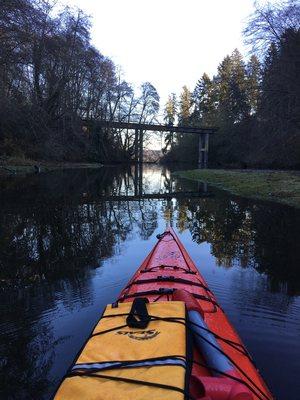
(141, 137)
(138, 179)
(136, 145)
(140, 167)
(203, 150)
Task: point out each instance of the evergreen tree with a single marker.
(238, 88)
(170, 109)
(232, 87)
(205, 99)
(185, 105)
(186, 145)
(254, 77)
(268, 82)
(281, 84)
(255, 105)
(170, 112)
(223, 79)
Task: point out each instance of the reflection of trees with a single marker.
(247, 233)
(227, 227)
(28, 343)
(53, 227)
(23, 366)
(53, 240)
(56, 226)
(277, 243)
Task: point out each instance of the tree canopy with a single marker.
(51, 76)
(255, 102)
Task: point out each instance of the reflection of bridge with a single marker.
(140, 128)
(156, 196)
(137, 189)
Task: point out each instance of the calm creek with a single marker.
(70, 241)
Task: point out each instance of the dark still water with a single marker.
(69, 242)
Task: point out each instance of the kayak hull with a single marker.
(167, 270)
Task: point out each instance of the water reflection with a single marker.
(55, 225)
(248, 234)
(69, 241)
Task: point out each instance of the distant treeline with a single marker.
(255, 103)
(51, 76)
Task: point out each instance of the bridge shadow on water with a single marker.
(70, 240)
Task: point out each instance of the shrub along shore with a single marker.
(279, 186)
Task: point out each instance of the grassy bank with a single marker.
(24, 167)
(280, 186)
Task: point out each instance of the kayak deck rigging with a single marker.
(169, 268)
(167, 328)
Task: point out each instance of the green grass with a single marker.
(280, 186)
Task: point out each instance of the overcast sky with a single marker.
(169, 43)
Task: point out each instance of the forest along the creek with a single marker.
(71, 240)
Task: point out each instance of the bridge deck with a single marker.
(152, 127)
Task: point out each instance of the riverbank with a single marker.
(26, 167)
(279, 186)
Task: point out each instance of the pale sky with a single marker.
(169, 43)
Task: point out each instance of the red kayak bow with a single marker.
(165, 338)
(222, 368)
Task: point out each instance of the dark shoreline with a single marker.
(34, 167)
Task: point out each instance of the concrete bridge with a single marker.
(140, 128)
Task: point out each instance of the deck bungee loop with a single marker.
(174, 267)
(166, 337)
(167, 278)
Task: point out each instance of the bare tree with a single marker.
(269, 22)
(51, 77)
